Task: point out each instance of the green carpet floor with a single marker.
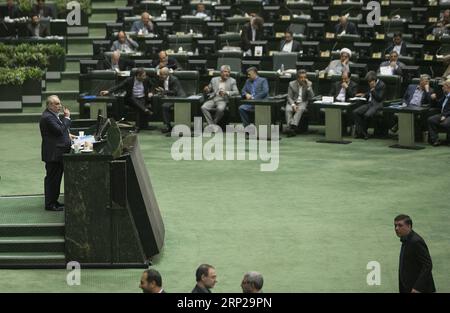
(311, 226)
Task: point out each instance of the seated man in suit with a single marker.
(255, 88)
(116, 63)
(167, 85)
(137, 96)
(397, 45)
(443, 25)
(36, 29)
(440, 121)
(344, 89)
(374, 97)
(393, 64)
(250, 32)
(219, 91)
(165, 61)
(300, 92)
(42, 10)
(289, 44)
(202, 12)
(336, 67)
(12, 11)
(124, 43)
(144, 26)
(344, 27)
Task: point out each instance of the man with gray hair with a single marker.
(252, 282)
(219, 91)
(144, 26)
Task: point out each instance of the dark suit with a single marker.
(246, 36)
(198, 289)
(391, 47)
(349, 92)
(12, 12)
(43, 30)
(48, 12)
(140, 104)
(175, 90)
(415, 265)
(124, 64)
(295, 45)
(350, 29)
(55, 142)
(397, 71)
(434, 122)
(362, 114)
(172, 64)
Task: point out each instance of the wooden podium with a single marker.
(112, 218)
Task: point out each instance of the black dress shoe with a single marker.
(59, 205)
(166, 130)
(54, 208)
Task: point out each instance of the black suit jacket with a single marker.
(350, 29)
(391, 47)
(377, 94)
(127, 85)
(55, 137)
(48, 12)
(246, 36)
(295, 45)
(124, 64)
(438, 104)
(198, 289)
(43, 31)
(175, 88)
(349, 92)
(12, 12)
(415, 265)
(172, 64)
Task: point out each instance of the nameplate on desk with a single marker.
(337, 2)
(428, 57)
(334, 18)
(384, 18)
(376, 55)
(179, 34)
(327, 100)
(258, 51)
(432, 19)
(432, 3)
(385, 3)
(322, 74)
(285, 17)
(279, 35)
(324, 54)
(211, 72)
(431, 37)
(329, 35)
(380, 36)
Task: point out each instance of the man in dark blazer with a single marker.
(36, 29)
(165, 61)
(346, 27)
(344, 89)
(137, 96)
(12, 11)
(289, 44)
(395, 66)
(442, 119)
(167, 85)
(42, 10)
(206, 279)
(397, 45)
(250, 32)
(115, 63)
(151, 282)
(374, 98)
(415, 264)
(55, 142)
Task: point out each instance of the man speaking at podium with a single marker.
(55, 142)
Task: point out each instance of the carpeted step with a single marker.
(32, 229)
(32, 259)
(32, 244)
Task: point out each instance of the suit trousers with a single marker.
(167, 113)
(52, 182)
(361, 115)
(217, 104)
(247, 112)
(140, 105)
(293, 118)
(435, 124)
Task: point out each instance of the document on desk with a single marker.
(194, 97)
(124, 73)
(358, 98)
(341, 103)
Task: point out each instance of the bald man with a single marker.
(144, 26)
(55, 142)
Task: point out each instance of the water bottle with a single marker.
(282, 68)
(164, 15)
(196, 51)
